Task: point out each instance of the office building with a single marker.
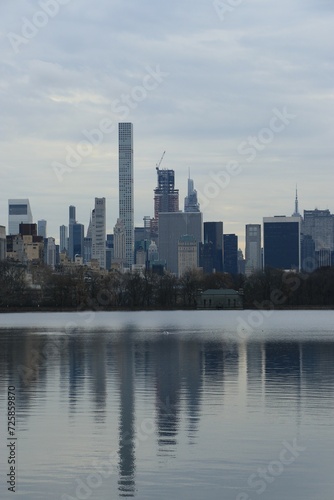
(63, 239)
(187, 252)
(99, 232)
(18, 211)
(109, 250)
(87, 254)
(41, 228)
(213, 234)
(120, 241)
(3, 244)
(76, 241)
(126, 195)
(281, 242)
(71, 215)
(51, 252)
(253, 248)
(171, 227)
(206, 258)
(319, 224)
(231, 254)
(71, 221)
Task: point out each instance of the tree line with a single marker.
(82, 288)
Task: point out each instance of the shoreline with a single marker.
(11, 310)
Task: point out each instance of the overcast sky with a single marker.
(241, 92)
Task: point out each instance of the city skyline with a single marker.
(206, 87)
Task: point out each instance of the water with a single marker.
(231, 405)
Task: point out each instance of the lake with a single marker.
(232, 405)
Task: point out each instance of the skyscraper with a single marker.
(166, 197)
(18, 211)
(187, 254)
(2, 242)
(76, 240)
(281, 242)
(231, 253)
(99, 232)
(41, 228)
(119, 241)
(71, 221)
(318, 225)
(172, 226)
(190, 202)
(253, 248)
(71, 215)
(126, 205)
(63, 234)
(213, 235)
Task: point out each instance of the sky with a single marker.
(238, 91)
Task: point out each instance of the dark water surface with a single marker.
(169, 405)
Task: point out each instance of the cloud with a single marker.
(224, 79)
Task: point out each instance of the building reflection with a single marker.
(98, 367)
(178, 375)
(125, 369)
(191, 355)
(168, 385)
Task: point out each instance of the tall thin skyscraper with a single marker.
(63, 234)
(253, 248)
(231, 253)
(190, 202)
(99, 232)
(126, 205)
(213, 235)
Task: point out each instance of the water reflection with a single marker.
(178, 373)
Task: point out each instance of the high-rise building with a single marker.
(126, 195)
(171, 227)
(166, 197)
(71, 221)
(119, 241)
(71, 215)
(41, 228)
(231, 253)
(190, 202)
(253, 248)
(18, 211)
(213, 234)
(51, 252)
(63, 239)
(87, 254)
(187, 254)
(281, 242)
(76, 240)
(320, 225)
(99, 232)
(3, 244)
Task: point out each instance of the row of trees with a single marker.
(81, 288)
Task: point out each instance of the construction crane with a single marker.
(158, 164)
